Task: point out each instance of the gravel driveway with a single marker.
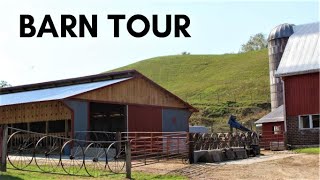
(272, 165)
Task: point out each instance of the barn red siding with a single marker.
(144, 118)
(269, 136)
(267, 128)
(302, 94)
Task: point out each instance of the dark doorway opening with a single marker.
(108, 117)
(39, 127)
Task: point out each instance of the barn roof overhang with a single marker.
(53, 93)
(274, 116)
(70, 81)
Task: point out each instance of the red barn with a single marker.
(294, 65)
(299, 70)
(272, 127)
(125, 101)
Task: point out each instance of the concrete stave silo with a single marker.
(277, 42)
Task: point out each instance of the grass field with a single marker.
(313, 150)
(33, 173)
(201, 78)
(216, 84)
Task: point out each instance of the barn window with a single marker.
(315, 121)
(276, 129)
(304, 122)
(309, 121)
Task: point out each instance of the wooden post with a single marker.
(191, 148)
(10, 131)
(167, 148)
(128, 160)
(4, 135)
(118, 141)
(158, 154)
(145, 151)
(231, 129)
(48, 143)
(178, 141)
(65, 128)
(47, 127)
(151, 142)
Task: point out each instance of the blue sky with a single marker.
(216, 27)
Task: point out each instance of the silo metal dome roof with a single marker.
(281, 31)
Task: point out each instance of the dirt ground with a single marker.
(271, 165)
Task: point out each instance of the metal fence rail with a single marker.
(50, 153)
(151, 147)
(274, 140)
(93, 153)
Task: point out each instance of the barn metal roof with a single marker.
(301, 54)
(71, 81)
(274, 116)
(55, 93)
(60, 89)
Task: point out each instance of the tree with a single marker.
(185, 53)
(256, 42)
(4, 84)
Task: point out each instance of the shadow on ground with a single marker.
(9, 177)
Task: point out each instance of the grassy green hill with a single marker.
(216, 84)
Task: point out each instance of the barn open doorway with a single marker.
(107, 117)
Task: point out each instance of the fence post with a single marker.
(191, 148)
(4, 139)
(151, 142)
(167, 148)
(128, 160)
(118, 139)
(178, 146)
(145, 151)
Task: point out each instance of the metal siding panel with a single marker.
(175, 120)
(144, 118)
(80, 109)
(302, 94)
(53, 93)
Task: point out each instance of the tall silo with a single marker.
(277, 42)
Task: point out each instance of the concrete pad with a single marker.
(240, 153)
(200, 156)
(230, 154)
(216, 155)
(277, 146)
(209, 156)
